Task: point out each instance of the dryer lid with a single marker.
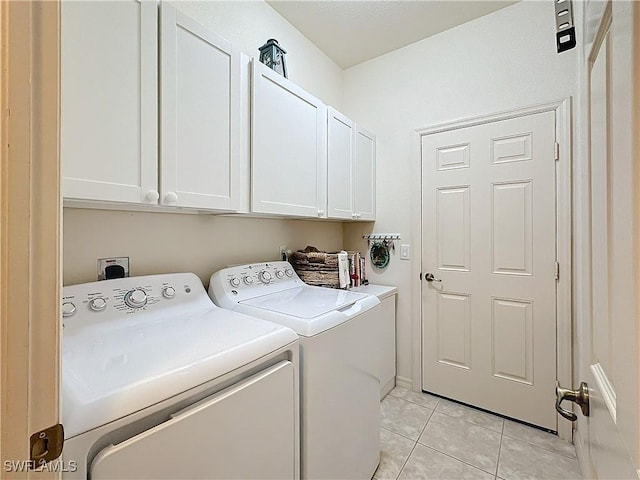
(112, 369)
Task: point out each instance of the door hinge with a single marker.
(46, 445)
(557, 271)
(557, 151)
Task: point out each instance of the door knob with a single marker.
(580, 397)
(429, 277)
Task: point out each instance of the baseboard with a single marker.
(387, 388)
(404, 382)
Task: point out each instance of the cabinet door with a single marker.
(199, 165)
(288, 157)
(340, 165)
(365, 175)
(109, 76)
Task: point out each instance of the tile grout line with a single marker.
(446, 454)
(555, 452)
(472, 423)
(456, 459)
(415, 403)
(415, 444)
(499, 452)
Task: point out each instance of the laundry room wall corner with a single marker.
(512, 56)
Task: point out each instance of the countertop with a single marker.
(381, 291)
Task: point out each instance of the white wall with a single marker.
(173, 242)
(160, 242)
(502, 61)
(249, 24)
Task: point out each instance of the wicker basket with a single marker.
(320, 268)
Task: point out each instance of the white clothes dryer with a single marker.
(159, 383)
(339, 384)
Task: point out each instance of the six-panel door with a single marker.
(489, 229)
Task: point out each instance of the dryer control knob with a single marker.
(248, 280)
(97, 304)
(68, 309)
(280, 274)
(289, 272)
(135, 298)
(168, 292)
(265, 276)
(235, 282)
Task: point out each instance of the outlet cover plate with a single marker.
(103, 263)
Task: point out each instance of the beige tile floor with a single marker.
(426, 437)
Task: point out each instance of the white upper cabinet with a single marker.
(351, 166)
(111, 67)
(340, 165)
(200, 122)
(365, 175)
(288, 157)
(109, 85)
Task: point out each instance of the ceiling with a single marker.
(354, 31)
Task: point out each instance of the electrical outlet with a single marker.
(116, 267)
(283, 253)
(405, 252)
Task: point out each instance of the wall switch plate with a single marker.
(115, 267)
(405, 252)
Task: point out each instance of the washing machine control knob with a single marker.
(235, 282)
(168, 292)
(97, 304)
(280, 274)
(68, 309)
(265, 276)
(135, 298)
(248, 280)
(289, 272)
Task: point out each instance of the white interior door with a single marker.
(489, 239)
(608, 439)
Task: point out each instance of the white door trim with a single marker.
(562, 109)
(30, 229)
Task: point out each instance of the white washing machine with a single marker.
(159, 383)
(339, 384)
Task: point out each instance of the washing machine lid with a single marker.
(306, 302)
(308, 310)
(112, 369)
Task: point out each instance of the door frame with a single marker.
(30, 229)
(564, 323)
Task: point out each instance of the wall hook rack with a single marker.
(387, 238)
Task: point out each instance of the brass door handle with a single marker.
(580, 397)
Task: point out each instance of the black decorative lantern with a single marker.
(272, 55)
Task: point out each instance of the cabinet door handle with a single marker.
(152, 196)
(171, 197)
(321, 213)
